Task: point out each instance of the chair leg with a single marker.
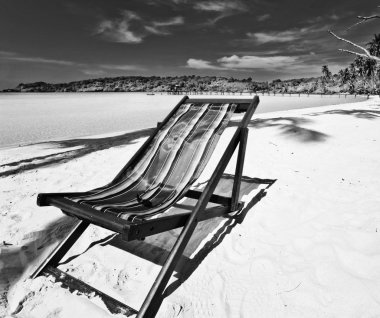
(153, 300)
(239, 168)
(59, 252)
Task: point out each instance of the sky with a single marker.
(66, 40)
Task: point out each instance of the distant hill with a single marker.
(194, 83)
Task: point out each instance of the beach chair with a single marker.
(160, 174)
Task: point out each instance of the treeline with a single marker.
(345, 82)
(146, 84)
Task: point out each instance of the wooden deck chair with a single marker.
(156, 177)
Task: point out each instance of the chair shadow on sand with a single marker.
(157, 248)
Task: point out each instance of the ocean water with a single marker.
(34, 117)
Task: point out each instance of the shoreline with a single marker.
(62, 127)
(314, 234)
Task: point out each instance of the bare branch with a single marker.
(363, 19)
(349, 42)
(375, 16)
(366, 52)
(352, 52)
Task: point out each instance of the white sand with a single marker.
(310, 248)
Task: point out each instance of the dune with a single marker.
(309, 248)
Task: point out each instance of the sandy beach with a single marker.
(309, 248)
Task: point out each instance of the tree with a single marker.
(352, 70)
(326, 75)
(359, 65)
(369, 67)
(365, 52)
(374, 45)
(345, 75)
(326, 72)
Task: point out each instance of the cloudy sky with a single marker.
(65, 40)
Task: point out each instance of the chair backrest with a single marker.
(173, 160)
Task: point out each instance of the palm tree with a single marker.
(326, 72)
(326, 75)
(374, 48)
(369, 67)
(359, 64)
(352, 70)
(374, 45)
(370, 70)
(344, 75)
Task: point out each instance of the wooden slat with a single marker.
(220, 100)
(194, 194)
(239, 168)
(252, 108)
(74, 284)
(89, 214)
(42, 198)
